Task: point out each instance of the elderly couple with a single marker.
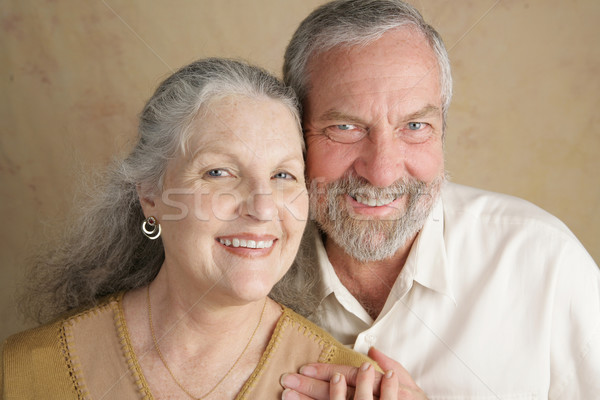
(160, 289)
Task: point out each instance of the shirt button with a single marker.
(370, 339)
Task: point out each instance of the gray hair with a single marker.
(343, 23)
(357, 22)
(104, 250)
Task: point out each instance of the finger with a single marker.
(389, 386)
(337, 387)
(327, 371)
(311, 388)
(289, 394)
(388, 363)
(364, 382)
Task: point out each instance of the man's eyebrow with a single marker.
(335, 115)
(426, 111)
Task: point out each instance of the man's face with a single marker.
(372, 195)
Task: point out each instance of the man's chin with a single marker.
(371, 233)
(365, 241)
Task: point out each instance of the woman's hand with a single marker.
(329, 381)
(365, 380)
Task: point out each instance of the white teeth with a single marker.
(250, 244)
(372, 202)
(383, 202)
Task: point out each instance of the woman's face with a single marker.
(233, 209)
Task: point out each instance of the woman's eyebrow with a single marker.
(212, 147)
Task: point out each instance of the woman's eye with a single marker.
(283, 175)
(415, 126)
(216, 173)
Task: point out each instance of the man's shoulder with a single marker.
(465, 202)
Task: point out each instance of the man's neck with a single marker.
(370, 283)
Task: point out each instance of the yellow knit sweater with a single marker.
(89, 356)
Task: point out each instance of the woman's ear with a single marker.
(147, 200)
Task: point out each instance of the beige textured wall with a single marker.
(74, 74)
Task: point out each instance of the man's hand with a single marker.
(325, 381)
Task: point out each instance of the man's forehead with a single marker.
(343, 93)
(397, 52)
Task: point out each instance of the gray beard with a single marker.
(368, 239)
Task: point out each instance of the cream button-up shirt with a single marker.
(497, 300)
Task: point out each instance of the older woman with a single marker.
(160, 291)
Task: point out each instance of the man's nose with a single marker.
(381, 157)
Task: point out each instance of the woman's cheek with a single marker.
(295, 204)
(224, 205)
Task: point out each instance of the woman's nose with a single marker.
(260, 203)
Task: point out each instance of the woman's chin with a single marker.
(252, 287)
(250, 292)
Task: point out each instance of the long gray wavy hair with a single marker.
(104, 250)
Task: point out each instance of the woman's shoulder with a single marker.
(40, 357)
(295, 342)
(334, 352)
(49, 333)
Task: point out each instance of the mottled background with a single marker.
(75, 74)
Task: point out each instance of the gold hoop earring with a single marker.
(153, 232)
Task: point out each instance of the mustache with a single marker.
(356, 185)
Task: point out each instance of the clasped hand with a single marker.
(340, 382)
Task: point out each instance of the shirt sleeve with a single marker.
(575, 341)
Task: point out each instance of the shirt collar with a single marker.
(332, 286)
(427, 261)
(329, 279)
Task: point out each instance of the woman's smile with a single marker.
(248, 245)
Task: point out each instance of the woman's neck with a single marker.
(197, 337)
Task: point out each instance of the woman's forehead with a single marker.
(240, 120)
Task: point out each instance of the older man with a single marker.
(476, 294)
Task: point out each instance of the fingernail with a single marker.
(336, 378)
(389, 374)
(365, 366)
(309, 371)
(290, 381)
(289, 395)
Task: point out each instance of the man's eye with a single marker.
(215, 173)
(415, 126)
(345, 133)
(283, 175)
